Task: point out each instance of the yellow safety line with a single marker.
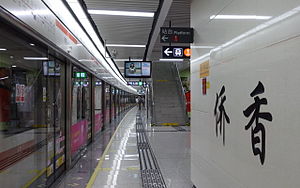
(99, 165)
(170, 124)
(34, 179)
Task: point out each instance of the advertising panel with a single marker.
(98, 122)
(78, 135)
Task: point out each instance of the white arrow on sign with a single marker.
(167, 52)
(164, 38)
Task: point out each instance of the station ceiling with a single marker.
(136, 30)
(129, 30)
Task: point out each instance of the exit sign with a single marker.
(80, 75)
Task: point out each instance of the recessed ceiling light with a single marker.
(87, 60)
(31, 44)
(3, 49)
(240, 17)
(121, 13)
(173, 60)
(126, 45)
(13, 66)
(36, 58)
(3, 78)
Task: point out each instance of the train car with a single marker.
(245, 125)
(52, 102)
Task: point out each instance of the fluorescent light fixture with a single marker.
(13, 66)
(122, 13)
(259, 28)
(127, 45)
(239, 17)
(87, 60)
(36, 58)
(31, 44)
(251, 32)
(128, 60)
(173, 60)
(3, 49)
(202, 47)
(3, 78)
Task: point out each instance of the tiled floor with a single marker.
(172, 151)
(80, 174)
(119, 167)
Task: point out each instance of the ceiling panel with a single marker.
(123, 5)
(125, 53)
(124, 29)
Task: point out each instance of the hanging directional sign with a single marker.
(176, 35)
(179, 52)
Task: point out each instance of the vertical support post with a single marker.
(110, 104)
(170, 25)
(93, 80)
(103, 107)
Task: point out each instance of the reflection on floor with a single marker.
(172, 150)
(119, 167)
(80, 174)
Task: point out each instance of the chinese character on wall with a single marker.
(258, 131)
(220, 114)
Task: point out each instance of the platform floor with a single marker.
(116, 162)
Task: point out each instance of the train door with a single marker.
(112, 99)
(53, 96)
(81, 129)
(86, 105)
(117, 102)
(107, 104)
(98, 111)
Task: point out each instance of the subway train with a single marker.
(55, 94)
(245, 109)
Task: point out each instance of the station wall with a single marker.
(257, 144)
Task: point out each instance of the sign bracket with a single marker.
(170, 26)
